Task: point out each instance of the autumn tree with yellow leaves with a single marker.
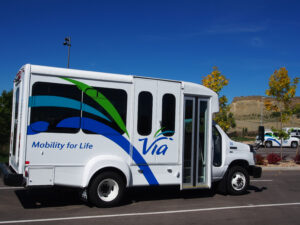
(282, 90)
(216, 81)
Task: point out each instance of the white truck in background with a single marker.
(105, 132)
(293, 131)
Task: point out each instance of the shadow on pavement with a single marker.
(61, 196)
(49, 197)
(138, 194)
(256, 189)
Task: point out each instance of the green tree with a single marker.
(216, 81)
(282, 90)
(296, 110)
(5, 116)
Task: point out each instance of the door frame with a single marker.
(195, 143)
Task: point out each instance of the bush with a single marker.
(275, 114)
(245, 131)
(297, 159)
(260, 160)
(4, 152)
(273, 158)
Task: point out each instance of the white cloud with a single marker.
(232, 29)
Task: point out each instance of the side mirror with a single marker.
(261, 133)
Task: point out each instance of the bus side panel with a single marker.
(69, 152)
(164, 174)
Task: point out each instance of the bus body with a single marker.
(104, 132)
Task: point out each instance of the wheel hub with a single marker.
(108, 190)
(238, 181)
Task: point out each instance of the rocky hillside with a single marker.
(247, 112)
(251, 105)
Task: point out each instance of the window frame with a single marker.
(149, 131)
(174, 115)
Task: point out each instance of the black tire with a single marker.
(106, 189)
(237, 180)
(268, 144)
(294, 144)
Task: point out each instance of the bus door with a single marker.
(15, 123)
(196, 171)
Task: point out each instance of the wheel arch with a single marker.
(239, 162)
(294, 142)
(102, 164)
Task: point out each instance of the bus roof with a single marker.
(189, 88)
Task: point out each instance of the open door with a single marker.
(15, 126)
(196, 171)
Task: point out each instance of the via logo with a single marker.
(155, 147)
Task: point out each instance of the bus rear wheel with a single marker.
(106, 189)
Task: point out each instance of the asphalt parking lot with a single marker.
(272, 199)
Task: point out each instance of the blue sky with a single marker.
(179, 40)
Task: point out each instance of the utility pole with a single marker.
(262, 111)
(68, 43)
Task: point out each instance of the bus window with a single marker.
(145, 104)
(52, 103)
(217, 138)
(168, 114)
(117, 97)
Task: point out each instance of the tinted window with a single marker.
(217, 138)
(52, 103)
(168, 114)
(145, 102)
(17, 103)
(94, 110)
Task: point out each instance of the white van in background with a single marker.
(105, 132)
(272, 140)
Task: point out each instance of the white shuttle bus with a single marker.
(105, 132)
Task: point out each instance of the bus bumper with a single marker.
(10, 177)
(255, 171)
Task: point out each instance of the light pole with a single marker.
(68, 43)
(262, 111)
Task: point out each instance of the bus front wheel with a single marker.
(238, 180)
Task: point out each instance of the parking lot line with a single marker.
(8, 188)
(149, 213)
(261, 180)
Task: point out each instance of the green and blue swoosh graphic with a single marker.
(56, 101)
(102, 101)
(90, 124)
(106, 131)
